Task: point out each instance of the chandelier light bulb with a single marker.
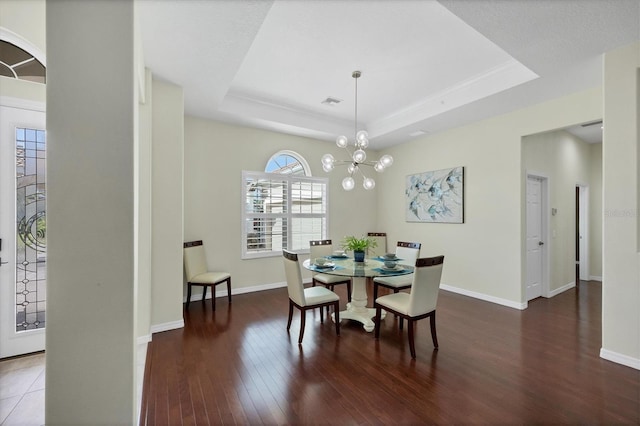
(327, 159)
(363, 144)
(378, 167)
(342, 141)
(369, 183)
(386, 160)
(348, 183)
(352, 168)
(327, 167)
(362, 135)
(359, 156)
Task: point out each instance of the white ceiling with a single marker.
(426, 65)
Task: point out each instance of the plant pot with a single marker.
(358, 256)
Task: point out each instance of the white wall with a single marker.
(621, 275)
(484, 256)
(167, 205)
(566, 161)
(215, 155)
(595, 213)
(90, 217)
(144, 213)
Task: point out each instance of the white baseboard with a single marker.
(158, 328)
(223, 291)
(620, 358)
(141, 362)
(485, 297)
(595, 278)
(143, 340)
(562, 289)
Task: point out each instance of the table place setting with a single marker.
(323, 264)
(338, 254)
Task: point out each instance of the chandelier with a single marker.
(358, 157)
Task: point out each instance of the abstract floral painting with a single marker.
(436, 196)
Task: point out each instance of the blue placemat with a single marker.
(394, 272)
(320, 269)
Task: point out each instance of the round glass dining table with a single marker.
(359, 272)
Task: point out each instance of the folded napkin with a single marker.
(324, 268)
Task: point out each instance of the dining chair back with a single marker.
(198, 273)
(306, 298)
(381, 244)
(323, 248)
(420, 303)
(423, 297)
(408, 252)
(295, 286)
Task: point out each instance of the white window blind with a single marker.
(281, 212)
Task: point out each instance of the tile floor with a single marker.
(22, 391)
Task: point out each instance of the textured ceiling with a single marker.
(426, 66)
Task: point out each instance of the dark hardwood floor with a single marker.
(495, 365)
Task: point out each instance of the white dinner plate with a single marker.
(384, 268)
(326, 265)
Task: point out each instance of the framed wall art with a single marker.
(436, 196)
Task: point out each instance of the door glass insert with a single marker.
(31, 223)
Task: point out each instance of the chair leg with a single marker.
(188, 295)
(290, 314)
(322, 315)
(303, 317)
(229, 289)
(204, 292)
(378, 320)
(213, 297)
(336, 317)
(434, 336)
(401, 322)
(412, 346)
(349, 291)
(375, 292)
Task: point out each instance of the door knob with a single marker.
(540, 243)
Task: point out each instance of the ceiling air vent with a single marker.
(331, 101)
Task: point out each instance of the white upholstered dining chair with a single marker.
(322, 248)
(419, 303)
(198, 274)
(381, 244)
(408, 252)
(306, 298)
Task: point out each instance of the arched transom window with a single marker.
(18, 63)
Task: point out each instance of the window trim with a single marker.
(290, 179)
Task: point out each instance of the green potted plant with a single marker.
(358, 246)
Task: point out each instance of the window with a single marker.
(18, 63)
(287, 162)
(282, 210)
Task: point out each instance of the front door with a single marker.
(22, 229)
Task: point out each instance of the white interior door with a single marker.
(22, 229)
(583, 232)
(535, 241)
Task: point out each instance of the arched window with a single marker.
(288, 163)
(16, 62)
(284, 207)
